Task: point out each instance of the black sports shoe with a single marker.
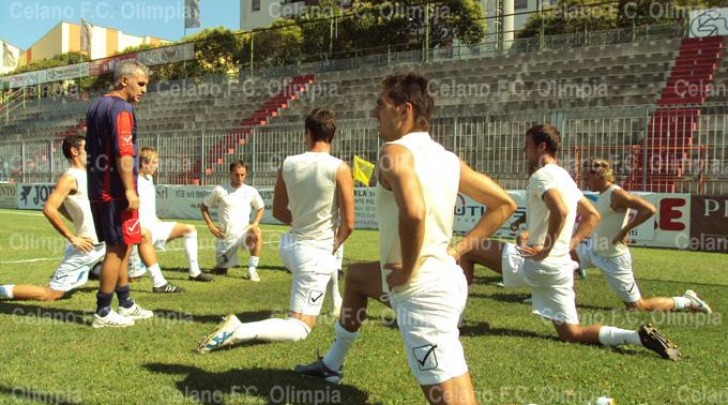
(220, 271)
(168, 289)
(319, 370)
(203, 277)
(655, 341)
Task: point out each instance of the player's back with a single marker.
(78, 206)
(310, 180)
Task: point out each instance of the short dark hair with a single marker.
(546, 133)
(71, 141)
(238, 163)
(322, 124)
(411, 88)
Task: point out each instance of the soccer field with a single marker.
(52, 355)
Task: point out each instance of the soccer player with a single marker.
(312, 191)
(111, 143)
(418, 183)
(159, 232)
(83, 251)
(553, 203)
(607, 248)
(233, 202)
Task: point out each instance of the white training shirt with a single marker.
(234, 206)
(310, 180)
(551, 176)
(611, 224)
(148, 201)
(79, 206)
(439, 173)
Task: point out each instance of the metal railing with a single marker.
(491, 143)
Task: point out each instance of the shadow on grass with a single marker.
(30, 395)
(484, 328)
(273, 386)
(515, 298)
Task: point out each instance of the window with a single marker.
(521, 4)
(255, 5)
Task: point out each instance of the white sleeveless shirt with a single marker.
(79, 207)
(439, 173)
(612, 222)
(312, 196)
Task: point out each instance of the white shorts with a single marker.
(73, 270)
(617, 269)
(552, 287)
(312, 268)
(226, 250)
(428, 322)
(512, 267)
(160, 233)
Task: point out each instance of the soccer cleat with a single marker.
(168, 289)
(221, 336)
(655, 341)
(220, 271)
(319, 370)
(253, 276)
(698, 304)
(135, 312)
(202, 277)
(111, 320)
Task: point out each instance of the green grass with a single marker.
(51, 355)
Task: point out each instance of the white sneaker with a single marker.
(136, 312)
(221, 336)
(698, 304)
(111, 320)
(253, 276)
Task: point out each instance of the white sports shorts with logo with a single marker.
(312, 267)
(617, 269)
(73, 271)
(428, 323)
(226, 250)
(552, 288)
(160, 233)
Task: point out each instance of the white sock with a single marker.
(253, 263)
(334, 286)
(6, 291)
(336, 355)
(682, 303)
(191, 251)
(272, 330)
(611, 336)
(158, 279)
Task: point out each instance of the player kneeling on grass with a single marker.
(607, 248)
(312, 191)
(233, 202)
(552, 205)
(83, 251)
(417, 189)
(157, 233)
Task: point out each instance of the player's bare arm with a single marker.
(125, 164)
(590, 218)
(215, 230)
(499, 207)
(557, 219)
(54, 207)
(621, 201)
(345, 200)
(400, 177)
(280, 200)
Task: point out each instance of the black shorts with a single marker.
(114, 224)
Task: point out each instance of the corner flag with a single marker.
(363, 170)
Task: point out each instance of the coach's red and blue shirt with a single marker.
(111, 133)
